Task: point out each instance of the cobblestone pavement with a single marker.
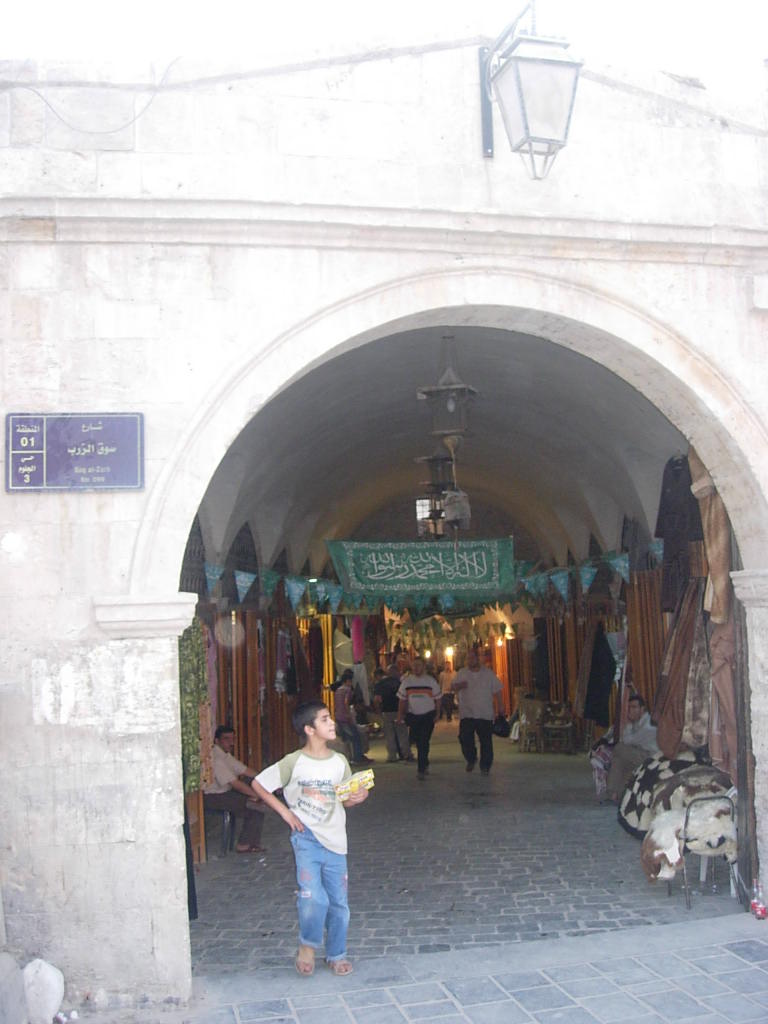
(453, 862)
(510, 898)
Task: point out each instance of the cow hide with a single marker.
(687, 784)
(635, 812)
(661, 854)
(710, 832)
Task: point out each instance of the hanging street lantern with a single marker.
(449, 399)
(440, 467)
(533, 80)
(449, 402)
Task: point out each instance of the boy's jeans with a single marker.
(322, 898)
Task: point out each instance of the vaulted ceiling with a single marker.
(559, 450)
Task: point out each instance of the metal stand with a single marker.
(705, 858)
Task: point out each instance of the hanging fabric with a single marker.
(716, 528)
(342, 651)
(678, 522)
(669, 707)
(601, 674)
(585, 664)
(282, 653)
(315, 656)
(326, 624)
(357, 631)
(193, 692)
(698, 692)
(723, 735)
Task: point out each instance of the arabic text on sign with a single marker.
(470, 565)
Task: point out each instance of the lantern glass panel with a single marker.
(506, 88)
(447, 420)
(535, 87)
(548, 90)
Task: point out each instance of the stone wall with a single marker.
(190, 264)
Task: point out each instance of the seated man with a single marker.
(230, 791)
(638, 742)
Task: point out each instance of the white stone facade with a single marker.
(191, 264)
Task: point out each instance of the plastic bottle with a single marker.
(757, 903)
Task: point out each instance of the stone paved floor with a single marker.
(454, 862)
(513, 898)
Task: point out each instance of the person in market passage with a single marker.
(638, 742)
(479, 690)
(448, 702)
(230, 791)
(385, 687)
(316, 817)
(346, 721)
(399, 667)
(419, 697)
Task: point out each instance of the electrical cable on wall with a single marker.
(101, 131)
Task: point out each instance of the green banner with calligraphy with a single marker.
(470, 568)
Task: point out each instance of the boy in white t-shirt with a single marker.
(316, 817)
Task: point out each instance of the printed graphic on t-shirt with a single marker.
(315, 798)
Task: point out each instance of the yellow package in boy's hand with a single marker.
(360, 780)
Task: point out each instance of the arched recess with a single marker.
(633, 343)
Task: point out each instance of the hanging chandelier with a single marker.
(446, 506)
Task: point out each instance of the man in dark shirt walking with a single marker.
(385, 687)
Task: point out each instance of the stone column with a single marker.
(751, 588)
(95, 874)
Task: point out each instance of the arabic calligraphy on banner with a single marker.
(481, 566)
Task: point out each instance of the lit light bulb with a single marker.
(451, 403)
(499, 642)
(449, 652)
(427, 654)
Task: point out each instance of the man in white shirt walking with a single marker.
(418, 698)
(479, 690)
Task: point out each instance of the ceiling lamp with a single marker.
(449, 402)
(449, 399)
(440, 465)
(534, 82)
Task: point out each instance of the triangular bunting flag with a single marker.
(294, 588)
(244, 582)
(620, 564)
(535, 585)
(559, 580)
(656, 549)
(335, 594)
(212, 575)
(587, 575)
(268, 580)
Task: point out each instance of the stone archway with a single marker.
(668, 370)
(662, 364)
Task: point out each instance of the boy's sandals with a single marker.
(250, 849)
(340, 967)
(305, 961)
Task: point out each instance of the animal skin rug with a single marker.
(635, 813)
(710, 832)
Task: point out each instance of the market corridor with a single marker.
(459, 861)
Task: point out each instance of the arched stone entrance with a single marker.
(660, 363)
(633, 343)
